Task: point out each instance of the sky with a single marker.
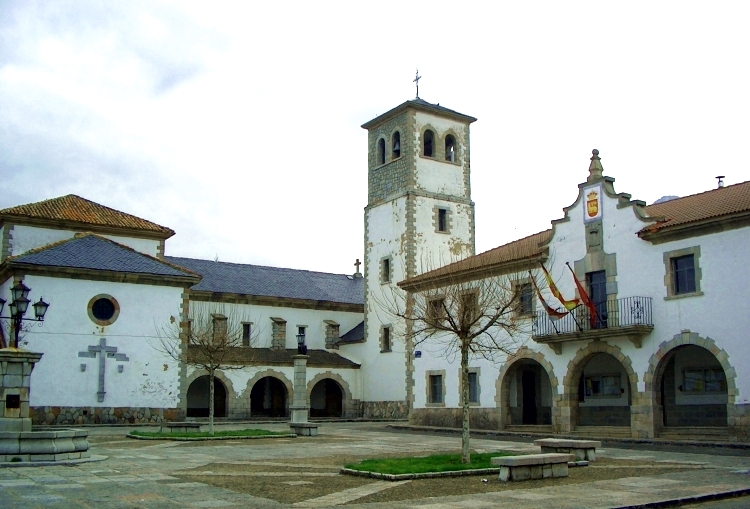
(237, 124)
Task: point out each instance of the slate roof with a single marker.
(268, 357)
(716, 203)
(354, 335)
(79, 210)
(88, 251)
(419, 104)
(244, 279)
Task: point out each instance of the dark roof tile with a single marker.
(243, 279)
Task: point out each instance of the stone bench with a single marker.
(181, 427)
(583, 449)
(305, 429)
(532, 466)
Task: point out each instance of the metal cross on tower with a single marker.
(357, 264)
(104, 351)
(416, 80)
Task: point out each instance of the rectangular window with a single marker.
(603, 386)
(386, 346)
(435, 312)
(469, 309)
(525, 302)
(246, 333)
(442, 220)
(683, 274)
(436, 388)
(473, 388)
(385, 273)
(704, 380)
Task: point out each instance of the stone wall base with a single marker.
(383, 410)
(55, 415)
(479, 418)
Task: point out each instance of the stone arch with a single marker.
(396, 135)
(575, 369)
(502, 384)
(347, 409)
(653, 376)
(381, 151)
(457, 146)
(436, 140)
(258, 377)
(218, 375)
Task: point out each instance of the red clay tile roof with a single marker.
(527, 247)
(79, 210)
(715, 203)
(719, 202)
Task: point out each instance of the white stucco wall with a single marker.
(437, 175)
(383, 373)
(149, 378)
(26, 238)
(718, 314)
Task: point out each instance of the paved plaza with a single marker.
(263, 473)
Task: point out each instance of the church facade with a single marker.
(649, 346)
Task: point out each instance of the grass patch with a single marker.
(204, 434)
(420, 465)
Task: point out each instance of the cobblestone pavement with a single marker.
(147, 474)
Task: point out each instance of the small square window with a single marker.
(436, 388)
(683, 269)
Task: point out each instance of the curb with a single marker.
(90, 459)
(424, 475)
(676, 502)
(644, 441)
(201, 439)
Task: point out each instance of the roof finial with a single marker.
(416, 80)
(595, 168)
(720, 178)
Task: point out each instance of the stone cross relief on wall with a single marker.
(102, 349)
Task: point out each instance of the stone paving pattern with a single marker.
(138, 475)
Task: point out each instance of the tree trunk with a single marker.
(465, 456)
(211, 403)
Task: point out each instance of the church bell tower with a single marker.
(419, 217)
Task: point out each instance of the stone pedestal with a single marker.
(300, 409)
(18, 444)
(16, 366)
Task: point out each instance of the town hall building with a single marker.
(650, 346)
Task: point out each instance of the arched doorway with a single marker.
(691, 389)
(604, 395)
(198, 397)
(326, 399)
(529, 394)
(268, 398)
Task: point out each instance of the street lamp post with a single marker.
(301, 346)
(18, 308)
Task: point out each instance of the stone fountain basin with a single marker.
(31, 446)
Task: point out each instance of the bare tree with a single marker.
(466, 314)
(214, 337)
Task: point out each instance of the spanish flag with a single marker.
(553, 313)
(569, 304)
(584, 297)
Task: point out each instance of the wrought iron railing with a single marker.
(627, 312)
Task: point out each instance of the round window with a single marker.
(103, 309)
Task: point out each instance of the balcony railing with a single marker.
(631, 315)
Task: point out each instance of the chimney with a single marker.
(720, 178)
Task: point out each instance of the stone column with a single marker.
(15, 388)
(300, 409)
